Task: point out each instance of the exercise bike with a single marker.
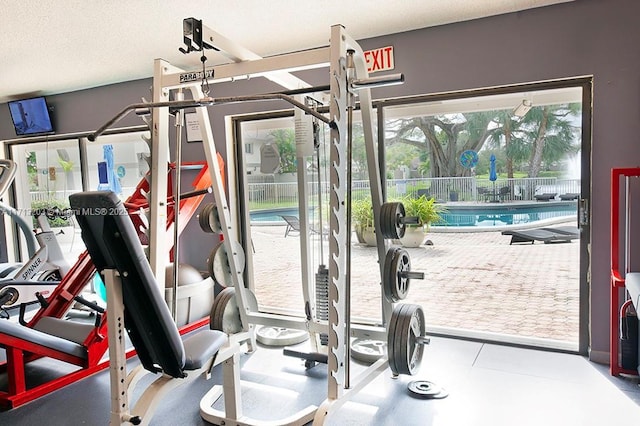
(24, 283)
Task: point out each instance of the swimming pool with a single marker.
(498, 215)
(477, 215)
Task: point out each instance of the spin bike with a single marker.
(24, 283)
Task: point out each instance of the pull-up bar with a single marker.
(206, 102)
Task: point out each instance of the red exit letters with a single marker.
(380, 59)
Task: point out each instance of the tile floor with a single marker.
(488, 385)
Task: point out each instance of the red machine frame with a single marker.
(617, 280)
(20, 352)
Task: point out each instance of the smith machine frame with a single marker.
(348, 76)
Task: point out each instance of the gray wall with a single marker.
(585, 37)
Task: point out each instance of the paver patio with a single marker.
(473, 281)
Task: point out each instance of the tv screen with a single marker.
(31, 116)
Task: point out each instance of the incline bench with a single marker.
(134, 303)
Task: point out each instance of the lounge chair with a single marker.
(569, 196)
(293, 225)
(545, 235)
(568, 230)
(546, 196)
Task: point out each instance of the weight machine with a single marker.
(624, 345)
(47, 334)
(403, 325)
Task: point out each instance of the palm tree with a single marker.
(545, 135)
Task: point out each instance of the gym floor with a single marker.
(487, 384)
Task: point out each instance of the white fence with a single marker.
(443, 189)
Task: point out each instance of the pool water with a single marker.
(476, 215)
(502, 215)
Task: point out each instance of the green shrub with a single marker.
(51, 205)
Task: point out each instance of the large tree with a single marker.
(545, 135)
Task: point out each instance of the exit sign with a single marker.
(380, 59)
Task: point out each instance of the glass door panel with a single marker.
(48, 172)
(117, 162)
(493, 165)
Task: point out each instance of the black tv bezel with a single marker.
(47, 109)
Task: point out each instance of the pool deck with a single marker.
(476, 284)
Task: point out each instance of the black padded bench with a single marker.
(132, 291)
(41, 343)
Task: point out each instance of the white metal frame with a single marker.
(166, 79)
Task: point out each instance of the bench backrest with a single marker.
(113, 243)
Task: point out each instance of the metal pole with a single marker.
(347, 285)
(176, 210)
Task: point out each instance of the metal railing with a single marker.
(445, 189)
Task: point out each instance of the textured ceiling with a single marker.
(53, 47)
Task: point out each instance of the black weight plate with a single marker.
(402, 341)
(389, 275)
(387, 227)
(391, 333)
(393, 338)
(219, 305)
(400, 226)
(391, 223)
(400, 263)
(407, 352)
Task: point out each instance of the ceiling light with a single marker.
(522, 108)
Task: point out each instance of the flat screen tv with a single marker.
(31, 116)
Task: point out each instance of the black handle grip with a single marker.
(89, 304)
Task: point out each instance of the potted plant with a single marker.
(427, 211)
(362, 216)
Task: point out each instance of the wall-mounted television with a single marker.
(31, 116)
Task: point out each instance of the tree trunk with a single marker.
(535, 161)
(507, 143)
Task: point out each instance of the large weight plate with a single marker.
(392, 333)
(209, 219)
(218, 263)
(280, 336)
(225, 315)
(406, 328)
(395, 284)
(391, 224)
(368, 351)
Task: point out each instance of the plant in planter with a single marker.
(362, 216)
(427, 211)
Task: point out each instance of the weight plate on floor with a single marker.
(368, 351)
(209, 219)
(426, 390)
(395, 283)
(280, 336)
(406, 329)
(391, 220)
(225, 315)
(218, 263)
